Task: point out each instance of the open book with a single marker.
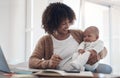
(52, 72)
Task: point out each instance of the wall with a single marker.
(4, 25)
(115, 39)
(12, 31)
(17, 30)
(34, 31)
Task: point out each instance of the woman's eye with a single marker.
(89, 35)
(63, 23)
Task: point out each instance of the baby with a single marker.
(90, 42)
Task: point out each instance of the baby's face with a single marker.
(90, 37)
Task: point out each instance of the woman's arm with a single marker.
(42, 58)
(96, 57)
(35, 60)
(103, 53)
(37, 63)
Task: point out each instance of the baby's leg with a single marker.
(75, 55)
(81, 60)
(67, 66)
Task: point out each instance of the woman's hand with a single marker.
(54, 61)
(94, 57)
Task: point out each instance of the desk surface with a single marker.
(95, 75)
(3, 75)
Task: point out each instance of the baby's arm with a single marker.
(81, 47)
(96, 57)
(95, 53)
(99, 46)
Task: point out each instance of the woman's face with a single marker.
(64, 26)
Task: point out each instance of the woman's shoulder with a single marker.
(77, 34)
(76, 31)
(44, 38)
(47, 36)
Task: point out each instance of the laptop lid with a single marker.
(5, 68)
(3, 63)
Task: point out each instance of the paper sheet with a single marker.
(85, 73)
(52, 72)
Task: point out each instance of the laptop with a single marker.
(4, 67)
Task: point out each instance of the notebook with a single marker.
(4, 67)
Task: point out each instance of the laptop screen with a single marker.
(3, 63)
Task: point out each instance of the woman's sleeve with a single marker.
(103, 53)
(97, 57)
(36, 59)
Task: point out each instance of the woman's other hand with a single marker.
(54, 61)
(93, 57)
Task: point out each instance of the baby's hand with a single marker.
(81, 51)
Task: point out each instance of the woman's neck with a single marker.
(61, 36)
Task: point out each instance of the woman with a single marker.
(55, 49)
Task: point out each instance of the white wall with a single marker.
(17, 28)
(38, 8)
(35, 9)
(115, 39)
(4, 25)
(12, 31)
